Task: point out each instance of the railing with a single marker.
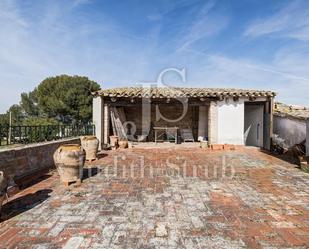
(32, 134)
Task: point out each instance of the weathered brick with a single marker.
(263, 204)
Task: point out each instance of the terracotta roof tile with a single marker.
(165, 92)
(299, 112)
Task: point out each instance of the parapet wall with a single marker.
(291, 130)
(29, 159)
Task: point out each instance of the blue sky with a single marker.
(243, 44)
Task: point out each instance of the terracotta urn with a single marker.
(3, 188)
(90, 144)
(113, 141)
(69, 160)
(123, 144)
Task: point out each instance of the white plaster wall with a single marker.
(307, 139)
(97, 118)
(231, 122)
(293, 131)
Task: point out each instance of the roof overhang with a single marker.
(165, 92)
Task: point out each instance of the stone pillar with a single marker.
(213, 123)
(202, 122)
(97, 118)
(307, 138)
(106, 122)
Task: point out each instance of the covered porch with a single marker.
(217, 116)
(158, 121)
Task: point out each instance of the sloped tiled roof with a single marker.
(299, 112)
(165, 92)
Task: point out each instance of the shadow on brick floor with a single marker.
(22, 204)
(30, 179)
(90, 172)
(284, 157)
(101, 155)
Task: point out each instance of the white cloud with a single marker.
(164, 8)
(290, 21)
(204, 25)
(283, 74)
(81, 2)
(155, 17)
(58, 41)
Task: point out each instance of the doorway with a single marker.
(254, 124)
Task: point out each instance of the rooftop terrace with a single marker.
(292, 111)
(165, 198)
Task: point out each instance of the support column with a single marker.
(213, 123)
(106, 122)
(97, 118)
(202, 122)
(307, 138)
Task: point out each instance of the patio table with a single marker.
(166, 130)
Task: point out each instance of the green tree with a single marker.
(66, 98)
(17, 114)
(33, 121)
(29, 104)
(4, 119)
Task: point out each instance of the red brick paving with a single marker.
(254, 201)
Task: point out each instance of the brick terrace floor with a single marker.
(171, 198)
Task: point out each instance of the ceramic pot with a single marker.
(69, 160)
(3, 188)
(90, 144)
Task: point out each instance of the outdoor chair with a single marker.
(187, 135)
(170, 136)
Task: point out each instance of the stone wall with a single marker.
(291, 130)
(26, 160)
